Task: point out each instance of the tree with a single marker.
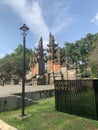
(78, 52)
(12, 64)
(93, 58)
(69, 51)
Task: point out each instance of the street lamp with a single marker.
(24, 31)
(67, 66)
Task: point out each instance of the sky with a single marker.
(67, 20)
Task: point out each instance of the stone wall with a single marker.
(69, 73)
(72, 74)
(64, 72)
(15, 101)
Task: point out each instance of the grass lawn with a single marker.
(44, 117)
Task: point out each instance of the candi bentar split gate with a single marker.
(77, 97)
(47, 67)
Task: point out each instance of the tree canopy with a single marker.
(79, 52)
(11, 64)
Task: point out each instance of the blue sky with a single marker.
(67, 20)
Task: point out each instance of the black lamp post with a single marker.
(67, 66)
(24, 31)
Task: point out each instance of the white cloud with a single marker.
(57, 28)
(95, 19)
(57, 15)
(42, 16)
(36, 20)
(31, 14)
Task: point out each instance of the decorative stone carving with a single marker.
(53, 60)
(57, 67)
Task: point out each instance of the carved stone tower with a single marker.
(53, 60)
(38, 63)
(40, 57)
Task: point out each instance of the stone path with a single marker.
(5, 126)
(14, 89)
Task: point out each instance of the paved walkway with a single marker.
(13, 89)
(5, 126)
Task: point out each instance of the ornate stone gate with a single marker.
(47, 67)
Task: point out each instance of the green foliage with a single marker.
(78, 52)
(93, 58)
(12, 64)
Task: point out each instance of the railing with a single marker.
(77, 97)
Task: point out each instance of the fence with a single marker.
(77, 97)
